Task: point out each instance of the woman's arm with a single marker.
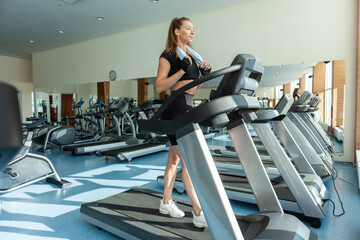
(163, 82)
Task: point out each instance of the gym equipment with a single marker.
(296, 145)
(116, 107)
(153, 145)
(134, 214)
(27, 168)
(301, 106)
(302, 193)
(10, 130)
(22, 168)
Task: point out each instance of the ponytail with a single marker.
(171, 42)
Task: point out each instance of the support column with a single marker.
(271, 103)
(103, 91)
(287, 88)
(319, 87)
(357, 112)
(162, 95)
(338, 94)
(302, 84)
(142, 90)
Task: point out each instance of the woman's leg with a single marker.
(170, 174)
(188, 184)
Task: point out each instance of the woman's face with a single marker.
(186, 32)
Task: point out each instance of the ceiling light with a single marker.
(155, 1)
(60, 31)
(100, 18)
(31, 41)
(70, 1)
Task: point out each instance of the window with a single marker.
(328, 92)
(308, 81)
(278, 93)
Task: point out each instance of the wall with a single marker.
(268, 92)
(276, 31)
(18, 72)
(124, 88)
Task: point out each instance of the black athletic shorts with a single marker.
(179, 106)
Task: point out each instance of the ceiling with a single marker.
(22, 21)
(31, 26)
(281, 74)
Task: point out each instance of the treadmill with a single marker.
(301, 106)
(134, 214)
(303, 194)
(314, 126)
(295, 144)
(153, 145)
(307, 116)
(136, 149)
(116, 107)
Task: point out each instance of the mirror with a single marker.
(325, 78)
(55, 103)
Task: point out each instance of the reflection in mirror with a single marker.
(325, 80)
(55, 103)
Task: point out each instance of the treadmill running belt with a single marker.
(135, 210)
(72, 148)
(115, 152)
(239, 183)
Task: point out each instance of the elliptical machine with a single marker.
(19, 167)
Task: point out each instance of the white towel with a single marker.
(191, 52)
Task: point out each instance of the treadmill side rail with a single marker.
(292, 147)
(310, 204)
(254, 169)
(206, 180)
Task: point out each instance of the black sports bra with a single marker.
(192, 72)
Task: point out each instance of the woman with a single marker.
(174, 73)
(296, 94)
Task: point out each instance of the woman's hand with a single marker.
(205, 65)
(205, 68)
(185, 64)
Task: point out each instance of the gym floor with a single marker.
(42, 212)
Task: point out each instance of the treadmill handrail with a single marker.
(195, 83)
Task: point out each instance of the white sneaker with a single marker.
(199, 221)
(171, 209)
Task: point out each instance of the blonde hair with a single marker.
(171, 42)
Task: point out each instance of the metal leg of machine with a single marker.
(322, 169)
(310, 137)
(297, 155)
(309, 200)
(215, 203)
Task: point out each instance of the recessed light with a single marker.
(100, 18)
(31, 41)
(155, 1)
(60, 31)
